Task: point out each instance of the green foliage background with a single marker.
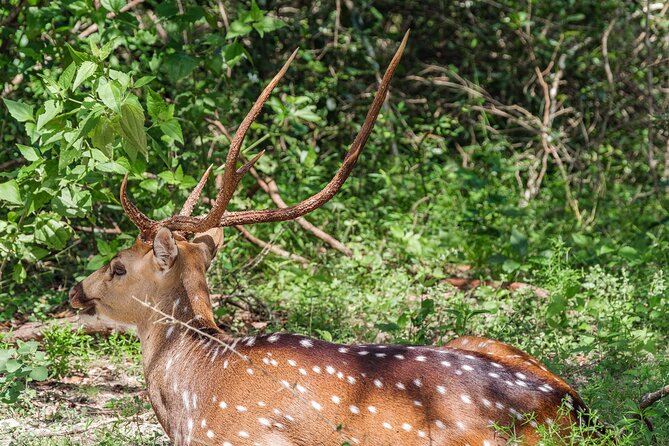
(527, 140)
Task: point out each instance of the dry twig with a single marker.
(466, 284)
(270, 187)
(274, 249)
(94, 27)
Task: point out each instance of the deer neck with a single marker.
(165, 327)
(172, 340)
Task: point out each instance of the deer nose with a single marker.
(77, 295)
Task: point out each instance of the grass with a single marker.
(602, 324)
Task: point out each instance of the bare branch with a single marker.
(94, 27)
(116, 230)
(605, 53)
(270, 187)
(274, 249)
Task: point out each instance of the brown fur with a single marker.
(284, 389)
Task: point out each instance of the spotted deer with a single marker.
(207, 387)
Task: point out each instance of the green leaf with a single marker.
(51, 85)
(103, 247)
(308, 114)
(150, 184)
(132, 130)
(51, 110)
(9, 191)
(389, 327)
(103, 136)
(28, 152)
(519, 242)
(39, 373)
(96, 262)
(172, 129)
(106, 50)
(13, 365)
(628, 252)
(51, 232)
(268, 24)
(155, 104)
(255, 13)
(27, 347)
(143, 81)
(510, 266)
(109, 94)
(604, 249)
(179, 66)
(77, 56)
(120, 167)
(233, 54)
(19, 111)
(72, 202)
(65, 79)
(581, 240)
(113, 5)
(308, 157)
(19, 274)
(85, 71)
(122, 78)
(238, 29)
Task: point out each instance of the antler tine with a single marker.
(231, 176)
(320, 198)
(246, 167)
(194, 196)
(146, 226)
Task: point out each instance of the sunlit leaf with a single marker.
(132, 129)
(172, 129)
(85, 71)
(51, 110)
(9, 191)
(19, 111)
(39, 373)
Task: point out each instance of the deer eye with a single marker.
(118, 269)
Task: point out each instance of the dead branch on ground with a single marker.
(88, 324)
(466, 284)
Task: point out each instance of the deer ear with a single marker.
(165, 249)
(210, 242)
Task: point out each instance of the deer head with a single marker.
(155, 264)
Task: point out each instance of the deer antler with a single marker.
(191, 201)
(320, 198)
(232, 176)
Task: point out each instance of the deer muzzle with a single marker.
(78, 299)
